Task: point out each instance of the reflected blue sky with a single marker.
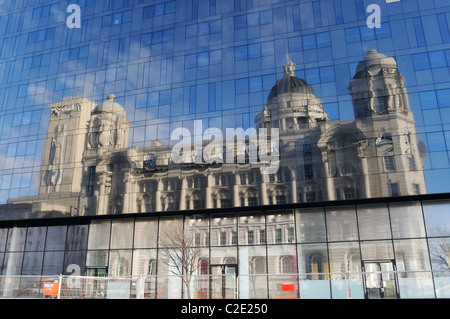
(172, 62)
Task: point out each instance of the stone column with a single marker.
(330, 182)
(366, 177)
(263, 189)
(236, 200)
(158, 196)
(293, 186)
(208, 192)
(183, 193)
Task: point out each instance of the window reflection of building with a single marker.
(320, 159)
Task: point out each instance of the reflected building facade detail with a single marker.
(87, 168)
(86, 116)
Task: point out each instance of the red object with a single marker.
(287, 287)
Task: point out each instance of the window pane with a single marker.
(99, 235)
(146, 233)
(252, 263)
(344, 257)
(310, 225)
(312, 263)
(373, 221)
(32, 263)
(120, 263)
(77, 237)
(224, 256)
(169, 230)
(53, 263)
(35, 238)
(74, 258)
(223, 230)
(280, 228)
(281, 259)
(377, 250)
(313, 260)
(122, 234)
(12, 263)
(341, 224)
(251, 228)
(412, 258)
(144, 262)
(97, 258)
(197, 228)
(407, 220)
(3, 237)
(16, 239)
(56, 238)
(437, 218)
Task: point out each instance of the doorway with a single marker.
(223, 281)
(380, 279)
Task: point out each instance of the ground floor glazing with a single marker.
(368, 250)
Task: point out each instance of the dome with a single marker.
(373, 60)
(109, 106)
(289, 83)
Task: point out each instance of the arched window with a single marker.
(287, 265)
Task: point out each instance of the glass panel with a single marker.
(344, 258)
(77, 236)
(197, 228)
(32, 263)
(56, 238)
(373, 221)
(16, 239)
(169, 283)
(252, 229)
(53, 263)
(146, 233)
(120, 263)
(341, 223)
(99, 234)
(282, 264)
(252, 270)
(223, 230)
(122, 234)
(313, 269)
(74, 259)
(144, 262)
(12, 263)
(3, 238)
(413, 262)
(377, 250)
(280, 227)
(35, 238)
(437, 218)
(310, 225)
(224, 256)
(407, 220)
(97, 258)
(169, 229)
(440, 261)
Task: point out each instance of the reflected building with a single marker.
(88, 168)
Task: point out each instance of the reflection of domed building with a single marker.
(88, 169)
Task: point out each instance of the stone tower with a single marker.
(61, 165)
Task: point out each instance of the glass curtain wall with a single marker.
(306, 253)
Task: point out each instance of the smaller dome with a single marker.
(109, 106)
(374, 59)
(289, 83)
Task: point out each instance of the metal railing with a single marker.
(355, 285)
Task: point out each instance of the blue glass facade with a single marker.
(170, 63)
(91, 95)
